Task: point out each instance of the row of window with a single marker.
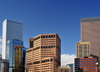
(47, 36)
(29, 51)
(43, 47)
(49, 46)
(43, 61)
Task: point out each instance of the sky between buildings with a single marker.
(50, 16)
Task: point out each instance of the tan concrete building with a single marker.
(90, 32)
(44, 54)
(82, 49)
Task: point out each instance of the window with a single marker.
(46, 36)
(51, 60)
(49, 46)
(31, 44)
(54, 59)
(43, 36)
(49, 36)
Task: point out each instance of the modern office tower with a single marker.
(44, 54)
(90, 32)
(11, 52)
(19, 67)
(11, 30)
(86, 64)
(82, 49)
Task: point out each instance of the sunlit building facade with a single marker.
(11, 30)
(44, 54)
(82, 49)
(90, 32)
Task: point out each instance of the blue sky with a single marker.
(50, 16)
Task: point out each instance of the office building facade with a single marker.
(44, 54)
(86, 64)
(11, 52)
(82, 49)
(90, 32)
(11, 30)
(19, 65)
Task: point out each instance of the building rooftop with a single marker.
(12, 21)
(90, 19)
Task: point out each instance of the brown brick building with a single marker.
(86, 64)
(44, 54)
(90, 32)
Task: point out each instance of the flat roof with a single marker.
(90, 19)
(11, 20)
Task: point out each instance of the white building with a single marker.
(11, 30)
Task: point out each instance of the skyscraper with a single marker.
(11, 30)
(82, 49)
(44, 54)
(11, 52)
(90, 32)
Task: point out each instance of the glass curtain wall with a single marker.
(11, 52)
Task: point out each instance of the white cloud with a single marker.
(0, 40)
(0, 48)
(67, 59)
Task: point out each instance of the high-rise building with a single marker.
(11, 52)
(86, 64)
(82, 49)
(19, 67)
(11, 30)
(90, 32)
(44, 54)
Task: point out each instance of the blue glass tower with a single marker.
(11, 52)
